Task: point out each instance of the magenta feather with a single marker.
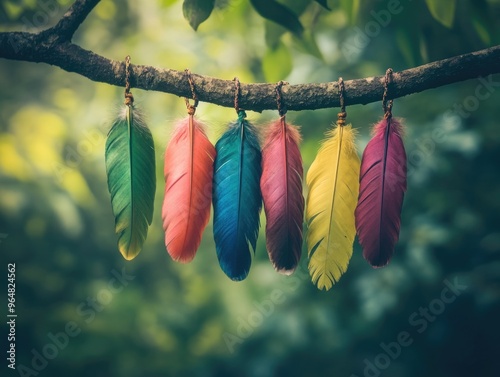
(281, 186)
(381, 190)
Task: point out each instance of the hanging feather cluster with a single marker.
(236, 197)
(188, 172)
(333, 181)
(345, 196)
(281, 186)
(130, 167)
(382, 188)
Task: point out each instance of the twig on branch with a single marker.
(53, 46)
(73, 18)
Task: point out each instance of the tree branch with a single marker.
(73, 18)
(53, 46)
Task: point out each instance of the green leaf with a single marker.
(277, 63)
(197, 11)
(296, 6)
(351, 9)
(424, 53)
(278, 13)
(273, 33)
(443, 11)
(408, 47)
(481, 29)
(323, 3)
(167, 3)
(307, 44)
(12, 10)
(130, 167)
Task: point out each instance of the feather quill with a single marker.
(382, 188)
(130, 167)
(189, 161)
(236, 197)
(281, 186)
(333, 181)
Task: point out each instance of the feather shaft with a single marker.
(281, 186)
(130, 168)
(382, 188)
(333, 181)
(236, 197)
(188, 173)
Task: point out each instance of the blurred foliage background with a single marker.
(191, 320)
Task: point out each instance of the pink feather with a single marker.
(188, 172)
(281, 186)
(381, 191)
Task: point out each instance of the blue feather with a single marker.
(236, 197)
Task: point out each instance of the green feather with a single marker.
(130, 166)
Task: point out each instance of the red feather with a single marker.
(281, 186)
(381, 190)
(188, 171)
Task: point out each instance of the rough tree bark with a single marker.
(54, 46)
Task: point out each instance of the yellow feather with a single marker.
(333, 181)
